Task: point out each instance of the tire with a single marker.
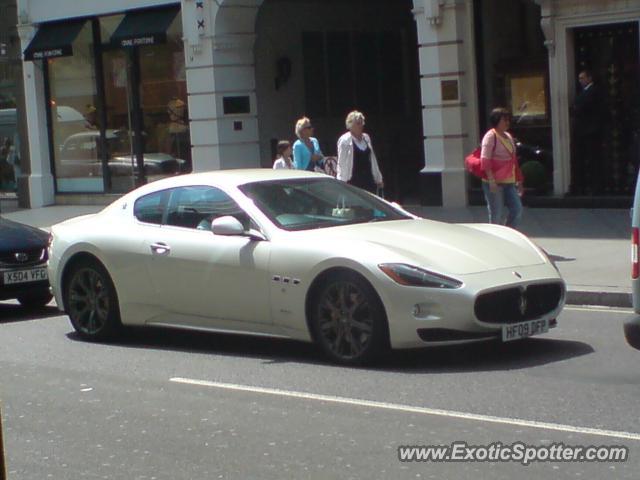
(632, 332)
(91, 302)
(36, 300)
(348, 320)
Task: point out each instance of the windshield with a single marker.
(304, 204)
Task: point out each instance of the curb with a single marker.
(599, 298)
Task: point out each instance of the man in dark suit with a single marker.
(586, 161)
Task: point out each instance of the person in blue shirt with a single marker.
(306, 150)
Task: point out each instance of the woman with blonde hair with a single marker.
(357, 162)
(306, 150)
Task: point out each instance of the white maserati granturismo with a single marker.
(298, 255)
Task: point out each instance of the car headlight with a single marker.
(417, 277)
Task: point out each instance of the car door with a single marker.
(199, 274)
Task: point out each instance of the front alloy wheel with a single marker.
(91, 302)
(349, 320)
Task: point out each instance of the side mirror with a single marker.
(231, 226)
(227, 225)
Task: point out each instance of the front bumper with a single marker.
(15, 290)
(426, 316)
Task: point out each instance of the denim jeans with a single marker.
(507, 195)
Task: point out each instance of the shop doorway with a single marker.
(611, 54)
(325, 58)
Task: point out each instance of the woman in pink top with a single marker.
(503, 185)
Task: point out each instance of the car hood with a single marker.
(18, 236)
(447, 248)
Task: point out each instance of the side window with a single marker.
(149, 209)
(197, 206)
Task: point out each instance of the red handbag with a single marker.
(473, 164)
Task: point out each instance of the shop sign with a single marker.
(139, 41)
(51, 53)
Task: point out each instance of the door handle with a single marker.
(160, 248)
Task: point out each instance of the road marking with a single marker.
(410, 409)
(598, 309)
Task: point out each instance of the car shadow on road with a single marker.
(487, 356)
(14, 312)
(270, 350)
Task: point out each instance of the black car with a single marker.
(23, 264)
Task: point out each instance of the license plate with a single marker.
(524, 329)
(24, 276)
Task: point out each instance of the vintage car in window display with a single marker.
(23, 264)
(298, 255)
(80, 156)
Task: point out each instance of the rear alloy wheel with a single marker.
(349, 321)
(37, 300)
(91, 302)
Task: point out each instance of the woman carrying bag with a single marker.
(502, 186)
(357, 163)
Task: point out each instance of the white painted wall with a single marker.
(39, 11)
(445, 36)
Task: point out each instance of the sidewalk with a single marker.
(591, 247)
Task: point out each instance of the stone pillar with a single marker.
(219, 40)
(559, 83)
(36, 185)
(449, 106)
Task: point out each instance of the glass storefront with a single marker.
(118, 114)
(10, 86)
(74, 131)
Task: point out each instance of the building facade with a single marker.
(122, 92)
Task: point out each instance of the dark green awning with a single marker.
(144, 27)
(53, 40)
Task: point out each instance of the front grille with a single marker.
(518, 304)
(33, 256)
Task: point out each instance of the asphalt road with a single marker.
(179, 405)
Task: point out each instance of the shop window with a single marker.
(74, 120)
(527, 97)
(145, 102)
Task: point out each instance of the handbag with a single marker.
(473, 161)
(331, 166)
(342, 211)
(473, 164)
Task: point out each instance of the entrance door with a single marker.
(147, 129)
(147, 134)
(611, 53)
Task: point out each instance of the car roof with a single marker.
(234, 177)
(227, 178)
